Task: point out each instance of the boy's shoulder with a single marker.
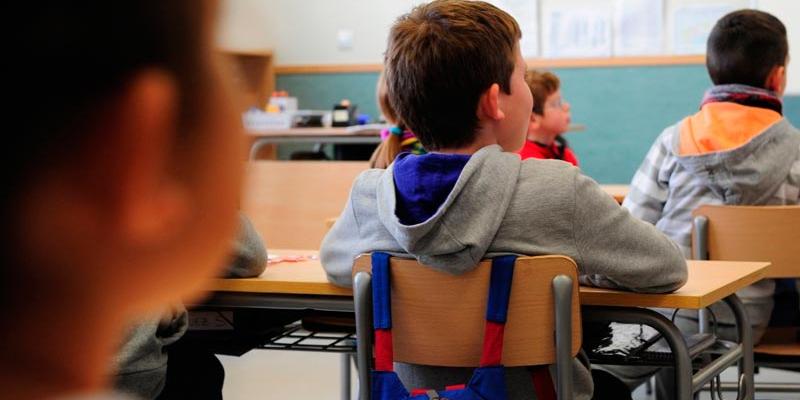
(550, 176)
(791, 127)
(367, 182)
(371, 175)
(534, 174)
(546, 166)
(794, 133)
(670, 136)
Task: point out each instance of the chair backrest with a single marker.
(287, 200)
(749, 233)
(438, 318)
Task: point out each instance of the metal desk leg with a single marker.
(746, 367)
(683, 365)
(703, 323)
(345, 375)
(257, 145)
(362, 296)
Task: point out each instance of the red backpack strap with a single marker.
(543, 383)
(382, 311)
(418, 392)
(497, 309)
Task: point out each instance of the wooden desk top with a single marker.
(288, 202)
(287, 277)
(709, 282)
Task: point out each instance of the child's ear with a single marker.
(156, 202)
(144, 202)
(489, 104)
(536, 122)
(776, 80)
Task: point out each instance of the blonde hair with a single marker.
(388, 149)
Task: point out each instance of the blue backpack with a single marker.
(488, 382)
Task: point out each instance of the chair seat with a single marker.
(783, 341)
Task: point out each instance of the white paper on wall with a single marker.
(526, 12)
(638, 27)
(575, 31)
(691, 25)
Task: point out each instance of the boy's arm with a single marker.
(648, 193)
(617, 250)
(340, 247)
(250, 254)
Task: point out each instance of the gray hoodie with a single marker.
(763, 171)
(502, 205)
(141, 362)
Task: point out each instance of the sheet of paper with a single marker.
(691, 25)
(526, 12)
(638, 27)
(577, 31)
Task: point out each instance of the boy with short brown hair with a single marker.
(456, 78)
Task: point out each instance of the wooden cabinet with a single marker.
(254, 73)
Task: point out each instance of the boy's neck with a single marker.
(469, 149)
(544, 138)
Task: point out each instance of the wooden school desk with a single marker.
(303, 285)
(288, 202)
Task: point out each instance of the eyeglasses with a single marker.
(557, 103)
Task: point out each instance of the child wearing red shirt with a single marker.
(549, 119)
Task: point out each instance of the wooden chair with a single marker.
(544, 325)
(755, 233)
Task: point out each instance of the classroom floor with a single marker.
(264, 374)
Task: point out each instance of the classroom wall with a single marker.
(624, 108)
(305, 32)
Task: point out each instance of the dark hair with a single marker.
(68, 60)
(440, 58)
(745, 46)
(542, 85)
